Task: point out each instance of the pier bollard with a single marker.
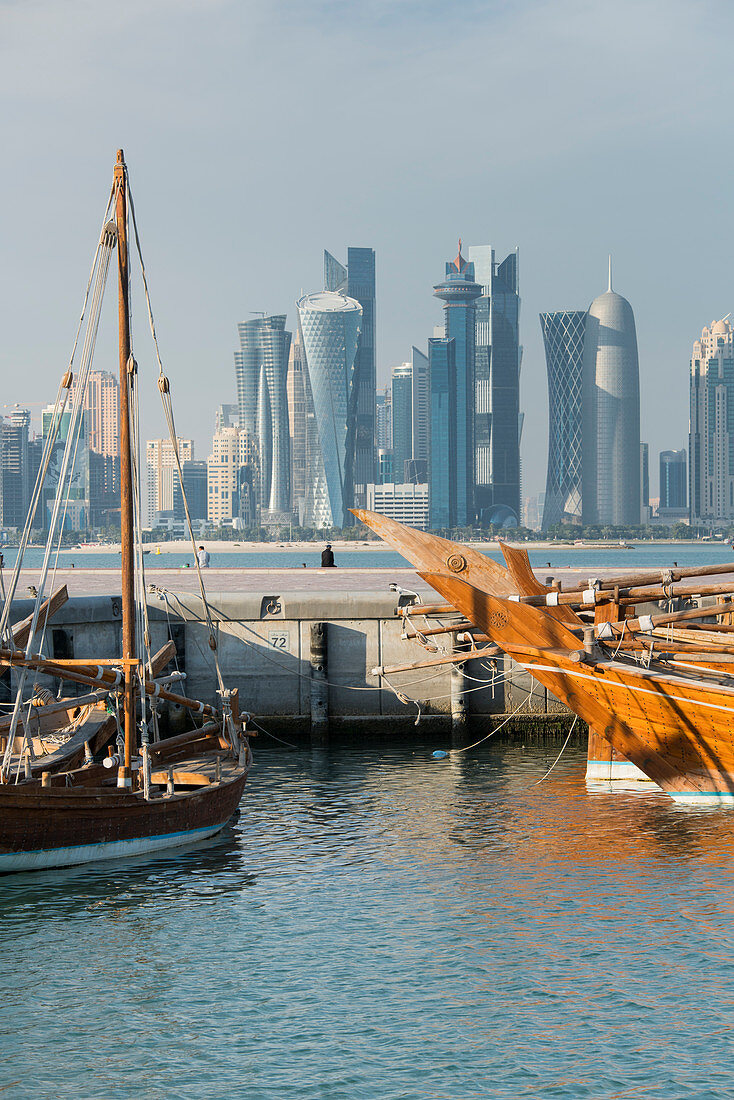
(319, 686)
(458, 699)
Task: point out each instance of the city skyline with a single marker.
(526, 187)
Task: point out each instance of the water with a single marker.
(385, 925)
(612, 557)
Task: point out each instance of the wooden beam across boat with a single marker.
(49, 607)
(449, 659)
(95, 674)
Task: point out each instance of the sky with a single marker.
(259, 132)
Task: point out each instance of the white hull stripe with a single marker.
(614, 770)
(89, 853)
(627, 687)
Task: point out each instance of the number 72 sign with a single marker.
(279, 639)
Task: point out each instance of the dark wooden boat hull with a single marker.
(58, 827)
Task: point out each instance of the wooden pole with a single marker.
(126, 484)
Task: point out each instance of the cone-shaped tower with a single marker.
(611, 410)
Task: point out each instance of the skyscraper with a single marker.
(330, 323)
(711, 441)
(497, 421)
(15, 483)
(102, 406)
(563, 338)
(644, 483)
(611, 413)
(163, 485)
(459, 292)
(673, 479)
(357, 280)
(76, 506)
(443, 470)
(420, 397)
(231, 478)
(402, 418)
(261, 367)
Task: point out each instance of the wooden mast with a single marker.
(126, 492)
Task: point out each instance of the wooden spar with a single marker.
(97, 675)
(126, 483)
(450, 659)
(629, 579)
(634, 594)
(437, 630)
(663, 619)
(430, 609)
(160, 659)
(49, 607)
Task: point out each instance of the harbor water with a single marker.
(387, 925)
(637, 556)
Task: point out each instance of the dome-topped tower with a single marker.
(611, 407)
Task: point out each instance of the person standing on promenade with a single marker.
(327, 557)
(203, 557)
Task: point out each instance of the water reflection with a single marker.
(383, 924)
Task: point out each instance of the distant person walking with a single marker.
(327, 557)
(203, 558)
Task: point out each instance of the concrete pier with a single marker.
(301, 647)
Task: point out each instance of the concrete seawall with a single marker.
(271, 648)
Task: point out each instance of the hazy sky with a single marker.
(259, 132)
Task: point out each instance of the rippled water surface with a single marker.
(383, 925)
(637, 556)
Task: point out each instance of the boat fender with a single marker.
(439, 754)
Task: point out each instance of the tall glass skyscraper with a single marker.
(673, 479)
(611, 404)
(497, 419)
(563, 337)
(330, 324)
(459, 292)
(443, 470)
(402, 419)
(711, 446)
(357, 280)
(261, 367)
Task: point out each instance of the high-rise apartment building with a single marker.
(673, 480)
(76, 487)
(711, 441)
(459, 292)
(102, 413)
(357, 281)
(163, 483)
(15, 483)
(611, 413)
(384, 419)
(232, 478)
(497, 422)
(102, 408)
(563, 339)
(261, 367)
(330, 323)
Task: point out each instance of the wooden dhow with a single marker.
(664, 704)
(150, 795)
